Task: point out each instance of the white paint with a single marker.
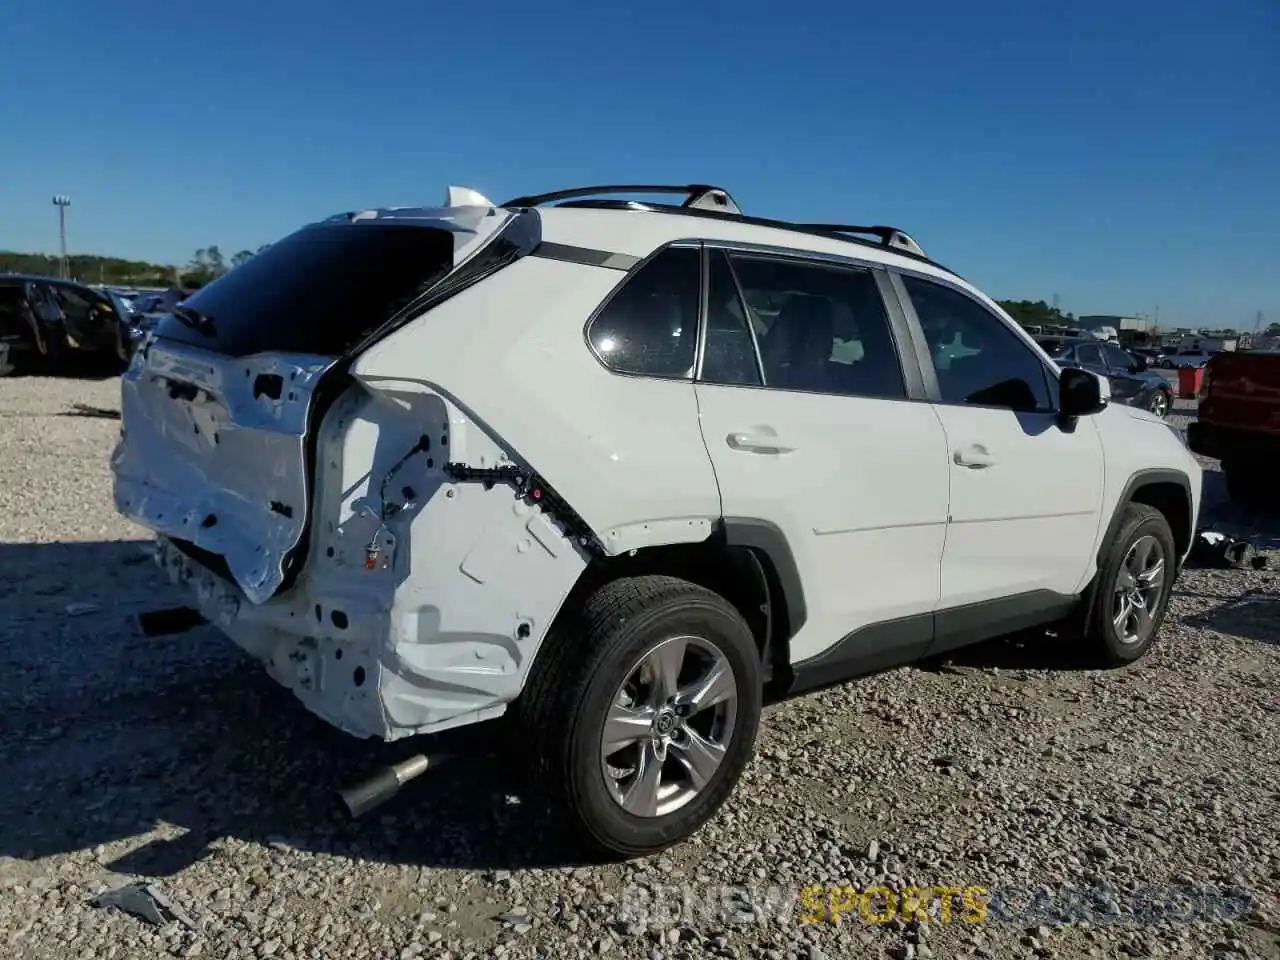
(861, 496)
(890, 508)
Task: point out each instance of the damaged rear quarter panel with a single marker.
(625, 452)
(212, 452)
(467, 578)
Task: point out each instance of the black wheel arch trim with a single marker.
(768, 539)
(1140, 479)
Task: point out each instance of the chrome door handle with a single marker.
(756, 443)
(975, 456)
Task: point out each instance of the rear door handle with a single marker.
(975, 456)
(757, 443)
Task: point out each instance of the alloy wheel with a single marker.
(1138, 590)
(669, 726)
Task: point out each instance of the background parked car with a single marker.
(1131, 381)
(45, 321)
(1187, 359)
(1154, 356)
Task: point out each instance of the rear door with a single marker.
(809, 420)
(217, 405)
(1026, 491)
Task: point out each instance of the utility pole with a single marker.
(62, 202)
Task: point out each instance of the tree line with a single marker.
(207, 264)
(1036, 313)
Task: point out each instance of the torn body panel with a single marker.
(442, 629)
(213, 454)
(219, 401)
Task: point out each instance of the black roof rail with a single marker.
(888, 236)
(699, 196)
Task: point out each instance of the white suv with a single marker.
(625, 468)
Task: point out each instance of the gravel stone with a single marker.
(175, 761)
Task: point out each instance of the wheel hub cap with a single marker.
(1138, 590)
(665, 722)
(669, 726)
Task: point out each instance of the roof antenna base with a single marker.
(465, 197)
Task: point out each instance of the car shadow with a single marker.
(110, 737)
(1252, 615)
(1037, 649)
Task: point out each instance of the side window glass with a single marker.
(1117, 359)
(819, 328)
(650, 326)
(978, 359)
(1089, 355)
(729, 356)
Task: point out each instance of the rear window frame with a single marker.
(515, 239)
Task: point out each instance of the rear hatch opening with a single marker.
(220, 403)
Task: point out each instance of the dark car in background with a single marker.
(1154, 356)
(1132, 381)
(46, 322)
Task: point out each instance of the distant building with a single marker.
(1120, 324)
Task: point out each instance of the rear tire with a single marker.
(1135, 581)
(610, 665)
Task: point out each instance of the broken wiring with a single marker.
(533, 490)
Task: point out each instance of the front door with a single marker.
(805, 415)
(1025, 491)
(1126, 382)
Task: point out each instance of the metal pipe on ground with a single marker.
(386, 783)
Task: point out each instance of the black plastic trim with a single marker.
(759, 222)
(772, 542)
(1140, 479)
(974, 622)
(870, 649)
(585, 255)
(692, 190)
(894, 643)
(884, 234)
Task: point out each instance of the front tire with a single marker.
(643, 706)
(1135, 582)
(1160, 403)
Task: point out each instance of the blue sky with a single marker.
(1124, 154)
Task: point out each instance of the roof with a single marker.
(639, 231)
(638, 228)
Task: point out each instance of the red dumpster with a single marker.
(1190, 380)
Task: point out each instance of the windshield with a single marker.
(320, 290)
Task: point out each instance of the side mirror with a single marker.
(1139, 363)
(1081, 393)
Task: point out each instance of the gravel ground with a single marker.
(175, 761)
